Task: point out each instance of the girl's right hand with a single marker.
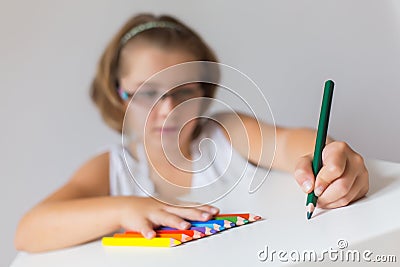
(143, 214)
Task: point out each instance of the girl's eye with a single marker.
(185, 92)
(149, 94)
(152, 93)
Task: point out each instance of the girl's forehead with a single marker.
(156, 65)
(151, 58)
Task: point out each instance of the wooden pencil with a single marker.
(320, 141)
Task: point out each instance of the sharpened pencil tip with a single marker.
(309, 214)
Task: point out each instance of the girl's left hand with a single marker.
(342, 179)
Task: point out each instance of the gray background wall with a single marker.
(49, 50)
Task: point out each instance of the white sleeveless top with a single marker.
(218, 168)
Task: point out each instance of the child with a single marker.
(101, 198)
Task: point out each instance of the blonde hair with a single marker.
(104, 86)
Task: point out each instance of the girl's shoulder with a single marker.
(91, 178)
(111, 153)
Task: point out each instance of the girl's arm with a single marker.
(262, 144)
(82, 211)
(77, 212)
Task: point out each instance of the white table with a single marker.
(372, 223)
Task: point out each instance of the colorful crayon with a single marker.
(222, 223)
(215, 226)
(193, 233)
(204, 229)
(180, 237)
(248, 216)
(140, 241)
(234, 219)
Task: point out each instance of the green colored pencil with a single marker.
(320, 142)
(235, 219)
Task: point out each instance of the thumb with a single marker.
(304, 175)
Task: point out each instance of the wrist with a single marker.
(124, 206)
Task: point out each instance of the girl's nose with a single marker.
(165, 105)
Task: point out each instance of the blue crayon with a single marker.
(223, 223)
(214, 226)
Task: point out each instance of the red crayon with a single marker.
(193, 233)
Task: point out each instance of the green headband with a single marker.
(147, 26)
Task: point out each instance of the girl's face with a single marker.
(160, 113)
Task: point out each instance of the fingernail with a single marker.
(318, 191)
(306, 186)
(184, 225)
(149, 235)
(214, 210)
(205, 215)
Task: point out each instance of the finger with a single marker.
(145, 227)
(341, 186)
(344, 201)
(304, 175)
(358, 190)
(210, 209)
(171, 220)
(337, 190)
(194, 214)
(334, 158)
(207, 208)
(355, 169)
